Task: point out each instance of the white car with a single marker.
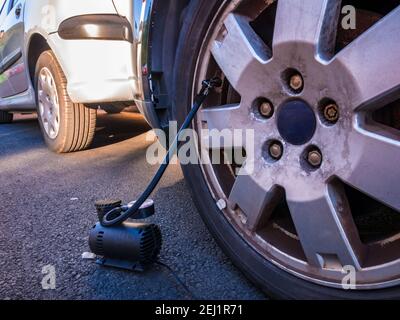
(65, 59)
(320, 212)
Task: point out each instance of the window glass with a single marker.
(11, 5)
(2, 5)
(3, 10)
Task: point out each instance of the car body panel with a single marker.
(142, 26)
(156, 30)
(47, 15)
(97, 71)
(12, 28)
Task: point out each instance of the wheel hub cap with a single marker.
(296, 122)
(49, 109)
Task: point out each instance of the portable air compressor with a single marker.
(132, 245)
(118, 239)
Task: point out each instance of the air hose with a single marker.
(120, 214)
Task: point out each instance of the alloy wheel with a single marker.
(318, 144)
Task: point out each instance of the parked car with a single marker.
(65, 61)
(319, 217)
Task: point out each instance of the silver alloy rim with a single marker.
(49, 108)
(359, 82)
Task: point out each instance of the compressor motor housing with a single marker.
(130, 246)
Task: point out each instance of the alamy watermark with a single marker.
(349, 281)
(231, 143)
(49, 280)
(48, 21)
(349, 18)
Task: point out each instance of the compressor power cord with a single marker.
(120, 214)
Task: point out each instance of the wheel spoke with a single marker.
(42, 96)
(51, 127)
(257, 202)
(224, 117)
(376, 171)
(50, 85)
(45, 83)
(53, 121)
(47, 125)
(240, 54)
(312, 22)
(48, 105)
(371, 59)
(326, 229)
(226, 125)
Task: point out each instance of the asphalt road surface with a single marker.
(46, 211)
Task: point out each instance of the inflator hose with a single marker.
(121, 214)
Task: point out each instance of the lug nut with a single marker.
(296, 82)
(331, 113)
(315, 158)
(276, 150)
(266, 109)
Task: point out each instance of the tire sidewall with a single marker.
(270, 278)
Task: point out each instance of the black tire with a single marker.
(275, 282)
(77, 122)
(6, 117)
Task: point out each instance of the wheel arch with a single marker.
(37, 45)
(166, 21)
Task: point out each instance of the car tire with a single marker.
(274, 281)
(75, 122)
(6, 117)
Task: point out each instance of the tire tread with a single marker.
(6, 117)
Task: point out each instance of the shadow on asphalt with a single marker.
(20, 136)
(47, 210)
(188, 249)
(110, 129)
(116, 128)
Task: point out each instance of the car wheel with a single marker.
(313, 211)
(6, 117)
(66, 126)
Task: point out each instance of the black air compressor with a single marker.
(118, 238)
(130, 245)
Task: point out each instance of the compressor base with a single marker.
(121, 264)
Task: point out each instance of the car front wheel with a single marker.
(314, 210)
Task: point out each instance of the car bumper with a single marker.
(97, 71)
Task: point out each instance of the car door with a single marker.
(6, 89)
(12, 31)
